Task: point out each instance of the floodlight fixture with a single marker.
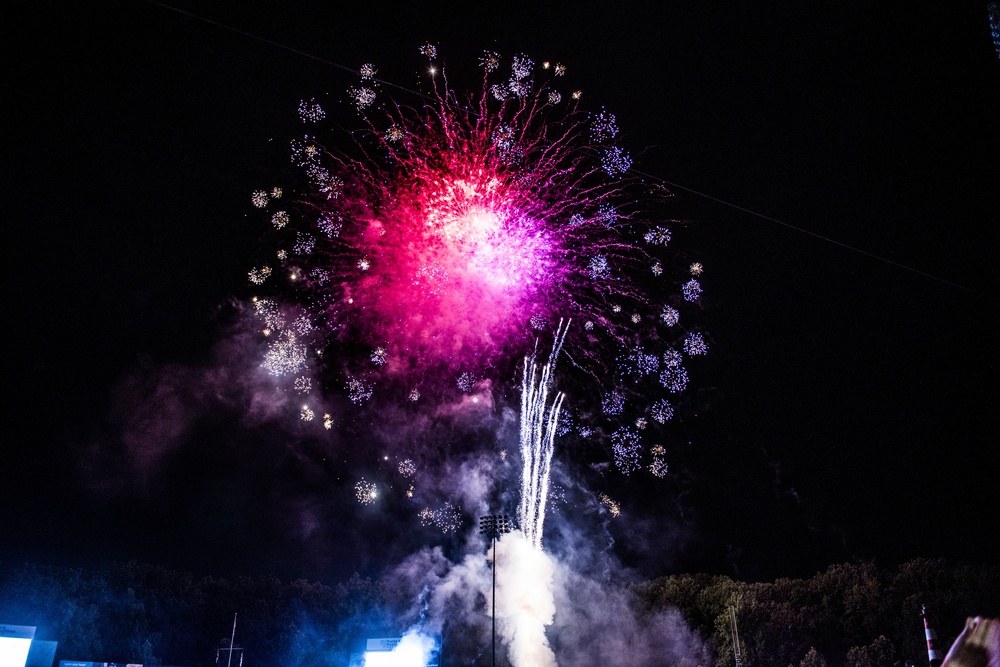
(493, 526)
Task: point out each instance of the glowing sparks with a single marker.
(302, 325)
(616, 161)
(268, 311)
(627, 450)
(394, 133)
(319, 276)
(695, 345)
(659, 467)
(670, 316)
(613, 403)
(330, 225)
(539, 419)
(521, 69)
(604, 127)
(658, 236)
(639, 362)
(363, 97)
(662, 411)
(447, 518)
(280, 219)
(285, 356)
(358, 391)
(304, 243)
(607, 215)
(310, 111)
(258, 276)
(476, 229)
(331, 186)
(489, 61)
(365, 492)
(433, 249)
(466, 382)
(407, 468)
(598, 267)
(259, 198)
(691, 290)
(614, 509)
(675, 379)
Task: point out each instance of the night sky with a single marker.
(846, 412)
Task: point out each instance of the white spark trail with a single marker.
(538, 431)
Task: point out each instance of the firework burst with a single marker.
(431, 250)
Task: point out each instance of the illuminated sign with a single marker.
(410, 650)
(15, 641)
(382, 644)
(81, 663)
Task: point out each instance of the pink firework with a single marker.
(447, 237)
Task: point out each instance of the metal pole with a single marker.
(736, 637)
(494, 525)
(231, 640)
(493, 661)
(933, 655)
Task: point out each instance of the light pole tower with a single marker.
(735, 631)
(494, 525)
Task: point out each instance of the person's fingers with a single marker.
(978, 645)
(982, 645)
(984, 630)
(990, 629)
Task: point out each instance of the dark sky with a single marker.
(848, 409)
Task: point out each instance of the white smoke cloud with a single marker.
(549, 611)
(525, 600)
(597, 623)
(413, 650)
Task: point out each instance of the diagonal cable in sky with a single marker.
(659, 179)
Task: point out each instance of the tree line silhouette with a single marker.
(850, 615)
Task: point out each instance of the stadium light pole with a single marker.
(494, 525)
(232, 639)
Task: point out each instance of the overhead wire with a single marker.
(810, 233)
(659, 179)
